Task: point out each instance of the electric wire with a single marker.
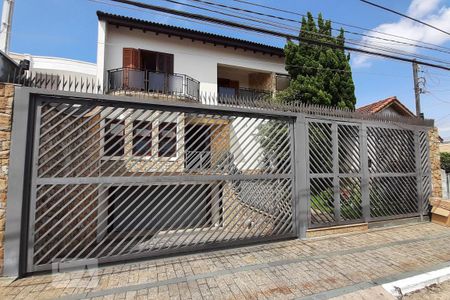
(339, 23)
(274, 33)
(229, 8)
(405, 16)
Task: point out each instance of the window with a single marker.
(167, 139)
(114, 138)
(142, 138)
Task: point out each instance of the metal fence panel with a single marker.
(113, 182)
(366, 172)
(116, 178)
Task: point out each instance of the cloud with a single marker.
(429, 11)
(421, 8)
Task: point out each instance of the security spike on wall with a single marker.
(82, 85)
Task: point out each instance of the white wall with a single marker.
(59, 66)
(194, 59)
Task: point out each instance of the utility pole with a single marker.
(5, 28)
(417, 90)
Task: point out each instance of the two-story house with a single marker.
(155, 58)
(143, 58)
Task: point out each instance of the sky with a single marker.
(68, 28)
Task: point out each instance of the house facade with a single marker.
(150, 57)
(387, 107)
(141, 58)
(138, 57)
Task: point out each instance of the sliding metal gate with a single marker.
(114, 180)
(366, 171)
(107, 179)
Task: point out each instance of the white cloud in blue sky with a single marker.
(429, 11)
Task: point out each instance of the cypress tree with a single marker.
(319, 74)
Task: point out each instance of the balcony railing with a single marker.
(129, 79)
(198, 160)
(244, 92)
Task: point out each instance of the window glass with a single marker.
(142, 138)
(167, 139)
(114, 138)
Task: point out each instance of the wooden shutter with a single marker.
(131, 58)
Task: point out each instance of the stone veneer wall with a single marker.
(262, 81)
(6, 104)
(435, 160)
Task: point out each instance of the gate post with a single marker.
(301, 171)
(16, 216)
(419, 174)
(364, 157)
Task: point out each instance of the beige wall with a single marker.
(6, 103)
(444, 147)
(435, 160)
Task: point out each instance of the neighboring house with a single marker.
(444, 146)
(389, 106)
(393, 157)
(144, 56)
(47, 70)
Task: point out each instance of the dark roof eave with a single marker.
(189, 34)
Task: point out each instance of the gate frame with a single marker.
(364, 173)
(18, 241)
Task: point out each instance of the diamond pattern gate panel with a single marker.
(121, 180)
(366, 172)
(425, 171)
(393, 183)
(335, 173)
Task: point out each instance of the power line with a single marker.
(165, 14)
(271, 23)
(405, 16)
(350, 41)
(233, 8)
(220, 26)
(271, 32)
(438, 98)
(339, 23)
(385, 49)
(268, 22)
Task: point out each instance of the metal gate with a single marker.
(103, 179)
(363, 172)
(115, 180)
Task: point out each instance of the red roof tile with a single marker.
(379, 106)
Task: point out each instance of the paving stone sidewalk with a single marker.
(319, 268)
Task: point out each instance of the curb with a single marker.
(408, 285)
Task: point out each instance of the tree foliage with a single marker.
(319, 74)
(445, 161)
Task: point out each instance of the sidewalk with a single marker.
(320, 268)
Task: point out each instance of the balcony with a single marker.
(244, 93)
(137, 80)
